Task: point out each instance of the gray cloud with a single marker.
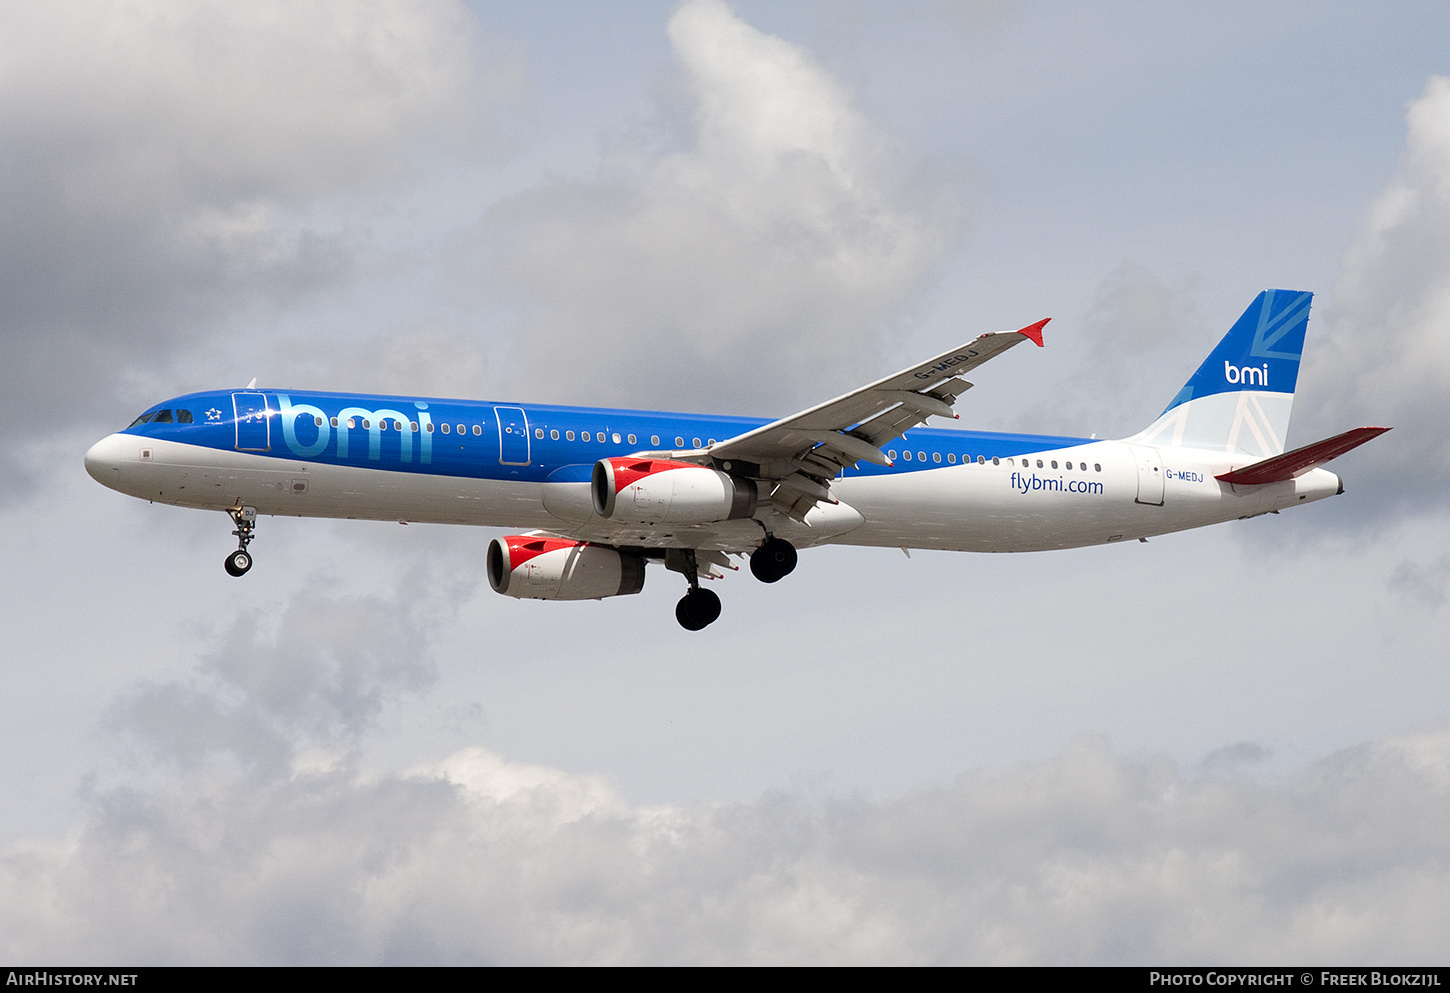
(768, 249)
(160, 160)
(427, 359)
(1133, 341)
(1230, 758)
(311, 678)
(1426, 582)
(1387, 360)
(1087, 857)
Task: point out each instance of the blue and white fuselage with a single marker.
(594, 485)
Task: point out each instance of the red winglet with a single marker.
(1284, 467)
(1033, 332)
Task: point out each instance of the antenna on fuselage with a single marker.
(253, 383)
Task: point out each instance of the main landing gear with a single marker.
(773, 560)
(240, 561)
(698, 608)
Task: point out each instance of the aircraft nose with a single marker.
(103, 460)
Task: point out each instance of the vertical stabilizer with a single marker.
(1240, 399)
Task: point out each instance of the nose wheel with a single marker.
(240, 561)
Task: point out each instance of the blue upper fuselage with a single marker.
(485, 440)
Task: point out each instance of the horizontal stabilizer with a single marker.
(1284, 467)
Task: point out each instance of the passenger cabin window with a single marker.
(445, 427)
(583, 435)
(477, 429)
(569, 435)
(631, 439)
(654, 439)
(539, 433)
(554, 434)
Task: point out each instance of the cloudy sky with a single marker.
(1228, 745)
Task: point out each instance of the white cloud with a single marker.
(1388, 358)
(767, 250)
(1088, 857)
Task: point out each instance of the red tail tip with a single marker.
(1033, 332)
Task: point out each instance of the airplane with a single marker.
(597, 494)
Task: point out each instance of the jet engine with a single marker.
(660, 491)
(533, 568)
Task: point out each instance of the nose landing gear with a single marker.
(240, 561)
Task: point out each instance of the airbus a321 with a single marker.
(597, 495)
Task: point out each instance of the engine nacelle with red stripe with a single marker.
(532, 568)
(661, 491)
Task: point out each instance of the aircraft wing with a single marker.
(802, 453)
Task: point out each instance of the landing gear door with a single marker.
(254, 427)
(513, 435)
(1150, 475)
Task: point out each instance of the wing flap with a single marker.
(1282, 468)
(874, 414)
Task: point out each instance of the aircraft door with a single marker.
(1150, 475)
(513, 435)
(254, 427)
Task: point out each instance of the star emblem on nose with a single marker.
(213, 415)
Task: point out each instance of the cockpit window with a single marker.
(162, 417)
(141, 420)
(183, 417)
